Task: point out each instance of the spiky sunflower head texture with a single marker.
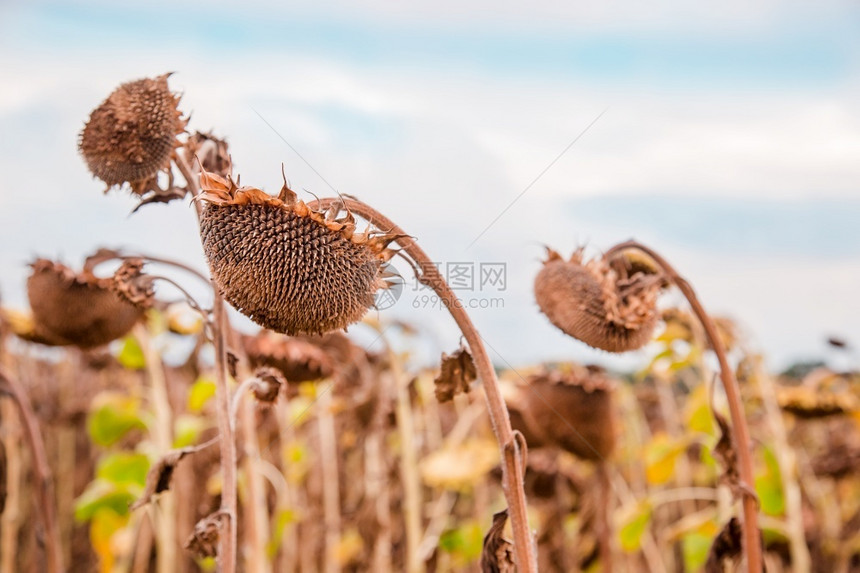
(288, 267)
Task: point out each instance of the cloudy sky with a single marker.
(729, 140)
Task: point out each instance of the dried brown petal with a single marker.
(133, 286)
(726, 547)
(592, 302)
(79, 309)
(130, 136)
(285, 266)
(203, 541)
(498, 553)
(456, 374)
(573, 409)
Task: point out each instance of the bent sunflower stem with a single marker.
(512, 447)
(752, 541)
(228, 538)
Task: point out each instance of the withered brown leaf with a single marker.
(203, 541)
(724, 451)
(159, 475)
(726, 547)
(268, 384)
(498, 553)
(455, 375)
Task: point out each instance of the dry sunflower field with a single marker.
(143, 433)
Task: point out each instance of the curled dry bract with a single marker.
(130, 136)
(289, 268)
(76, 308)
(603, 303)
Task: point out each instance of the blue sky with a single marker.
(729, 139)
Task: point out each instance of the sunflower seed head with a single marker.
(130, 136)
(284, 265)
(77, 308)
(592, 302)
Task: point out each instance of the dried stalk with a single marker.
(408, 466)
(376, 491)
(752, 540)
(800, 558)
(604, 524)
(331, 483)
(10, 523)
(512, 448)
(228, 536)
(288, 560)
(165, 526)
(44, 481)
(256, 509)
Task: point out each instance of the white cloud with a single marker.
(443, 152)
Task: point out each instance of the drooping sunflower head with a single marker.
(286, 266)
(608, 304)
(572, 407)
(130, 136)
(77, 309)
(299, 360)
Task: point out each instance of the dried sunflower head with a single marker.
(572, 407)
(76, 308)
(609, 305)
(823, 394)
(212, 152)
(129, 137)
(297, 359)
(680, 325)
(132, 285)
(287, 267)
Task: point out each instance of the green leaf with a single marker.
(124, 468)
(768, 485)
(130, 354)
(201, 392)
(696, 546)
(102, 494)
(465, 543)
(187, 430)
(112, 417)
(634, 526)
(697, 411)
